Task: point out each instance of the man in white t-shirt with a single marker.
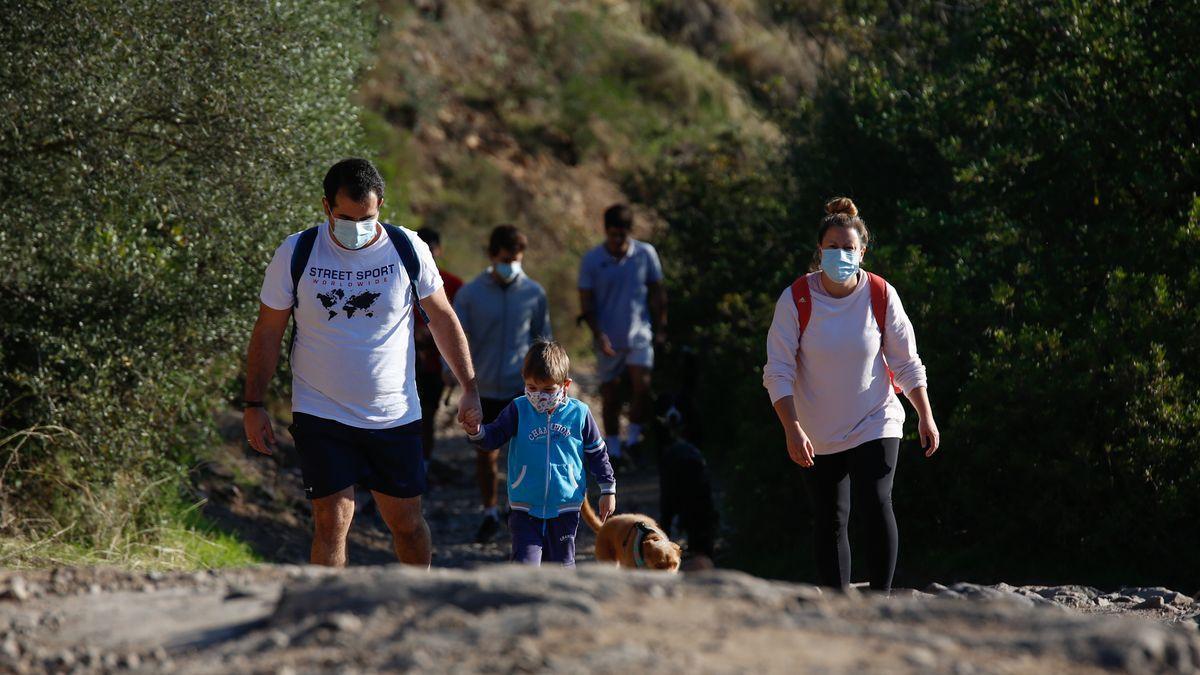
(355, 408)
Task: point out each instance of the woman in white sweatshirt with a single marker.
(833, 391)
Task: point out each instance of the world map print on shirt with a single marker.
(355, 302)
(350, 304)
(353, 359)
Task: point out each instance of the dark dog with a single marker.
(685, 484)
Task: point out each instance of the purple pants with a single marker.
(552, 540)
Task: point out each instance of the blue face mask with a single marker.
(839, 264)
(354, 234)
(507, 271)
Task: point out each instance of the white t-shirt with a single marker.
(353, 361)
(837, 378)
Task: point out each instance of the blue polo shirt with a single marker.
(619, 288)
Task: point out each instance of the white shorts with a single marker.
(611, 368)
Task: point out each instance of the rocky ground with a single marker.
(475, 613)
(500, 618)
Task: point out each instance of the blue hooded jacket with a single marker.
(547, 454)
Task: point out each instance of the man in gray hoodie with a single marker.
(503, 312)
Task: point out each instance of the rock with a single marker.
(1170, 597)
(1146, 592)
(922, 658)
(344, 621)
(1069, 598)
(1155, 602)
(278, 639)
(1075, 592)
(978, 592)
(1136, 647)
(10, 647)
(731, 584)
(16, 590)
(936, 588)
(1179, 600)
(392, 587)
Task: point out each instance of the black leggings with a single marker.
(864, 473)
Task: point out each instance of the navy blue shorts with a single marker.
(535, 540)
(334, 456)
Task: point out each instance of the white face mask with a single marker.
(354, 234)
(545, 401)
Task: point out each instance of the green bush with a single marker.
(153, 157)
(1029, 175)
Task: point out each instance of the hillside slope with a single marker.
(542, 113)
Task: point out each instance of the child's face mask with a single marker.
(545, 401)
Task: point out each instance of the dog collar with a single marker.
(642, 531)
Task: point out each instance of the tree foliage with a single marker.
(152, 156)
(1030, 174)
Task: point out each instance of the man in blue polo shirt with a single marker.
(625, 305)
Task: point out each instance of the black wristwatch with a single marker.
(253, 404)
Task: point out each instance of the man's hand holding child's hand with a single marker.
(472, 427)
(608, 504)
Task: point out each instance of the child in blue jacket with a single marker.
(553, 436)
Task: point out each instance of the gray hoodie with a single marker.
(501, 322)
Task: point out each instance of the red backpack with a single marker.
(802, 296)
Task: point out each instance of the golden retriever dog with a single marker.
(632, 540)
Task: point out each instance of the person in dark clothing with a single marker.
(685, 486)
(430, 372)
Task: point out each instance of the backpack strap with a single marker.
(300, 255)
(412, 264)
(879, 295)
(879, 301)
(802, 296)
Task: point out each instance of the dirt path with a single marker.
(261, 499)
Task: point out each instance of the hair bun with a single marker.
(841, 205)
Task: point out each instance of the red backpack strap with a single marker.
(879, 302)
(802, 296)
